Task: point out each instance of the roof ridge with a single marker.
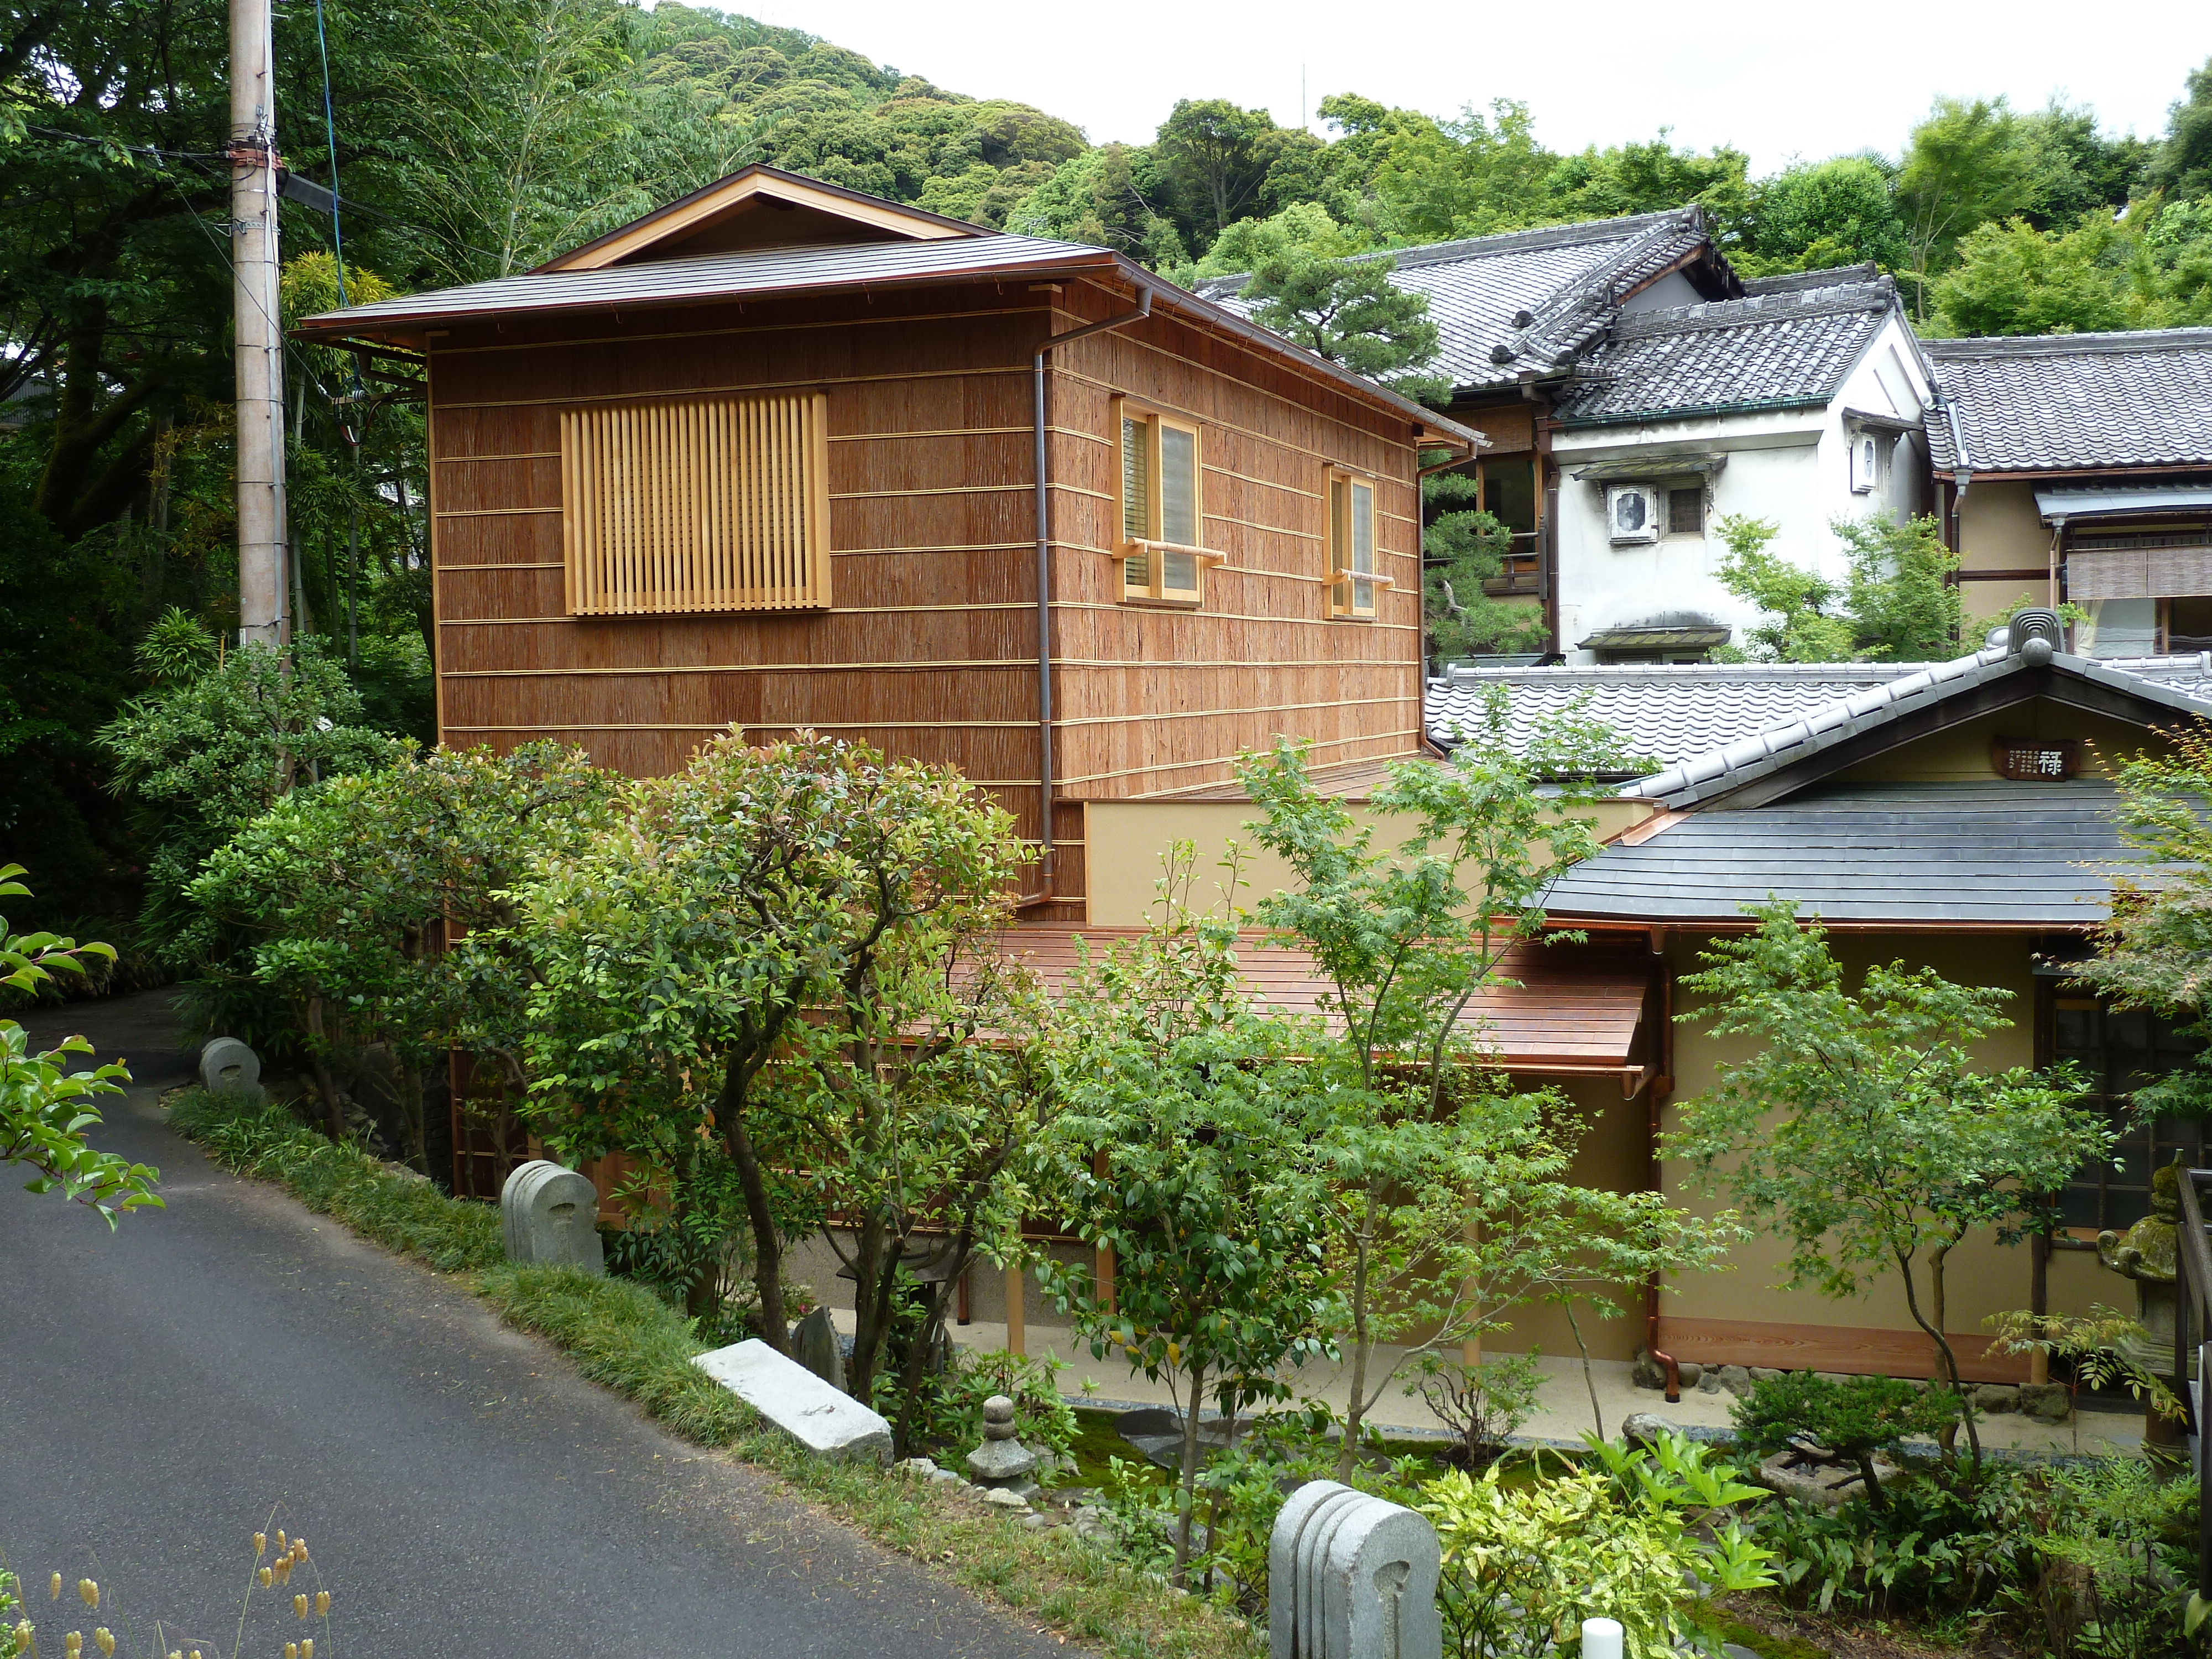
(1966, 347)
(1756, 308)
(1626, 227)
(1574, 233)
(1720, 771)
(1603, 672)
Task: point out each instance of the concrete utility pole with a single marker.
(261, 545)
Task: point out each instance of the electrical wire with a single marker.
(330, 136)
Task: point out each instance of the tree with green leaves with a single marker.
(1449, 1198)
(1863, 1130)
(222, 736)
(45, 1109)
(1842, 211)
(1310, 283)
(763, 963)
(347, 894)
(2182, 164)
(1182, 1149)
(1967, 164)
(1895, 605)
(2151, 268)
(2155, 951)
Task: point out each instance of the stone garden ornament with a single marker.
(227, 1065)
(551, 1216)
(1352, 1577)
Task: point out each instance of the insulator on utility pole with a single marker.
(259, 329)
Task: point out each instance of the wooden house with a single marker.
(790, 457)
(1957, 815)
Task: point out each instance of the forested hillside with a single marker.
(473, 137)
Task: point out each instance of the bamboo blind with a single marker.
(696, 504)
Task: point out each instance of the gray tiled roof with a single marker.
(1686, 717)
(1664, 713)
(2063, 401)
(2029, 855)
(1771, 349)
(2177, 684)
(1563, 277)
(1793, 282)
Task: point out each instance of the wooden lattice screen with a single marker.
(696, 504)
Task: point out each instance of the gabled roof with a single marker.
(1790, 348)
(1995, 854)
(761, 206)
(802, 268)
(1528, 301)
(2061, 403)
(862, 266)
(1678, 716)
(1777, 759)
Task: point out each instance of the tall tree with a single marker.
(1968, 163)
(1863, 1130)
(2183, 165)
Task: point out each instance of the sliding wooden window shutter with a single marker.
(696, 504)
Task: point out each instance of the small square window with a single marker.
(1685, 511)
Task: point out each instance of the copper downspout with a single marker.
(1659, 1087)
(1044, 896)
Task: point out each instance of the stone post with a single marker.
(1352, 1577)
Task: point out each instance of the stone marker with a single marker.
(227, 1064)
(1644, 1428)
(1001, 1460)
(1352, 1577)
(814, 1345)
(551, 1216)
(826, 1422)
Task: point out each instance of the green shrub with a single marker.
(1935, 1547)
(1856, 1417)
(1524, 1565)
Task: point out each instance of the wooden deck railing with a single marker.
(2192, 1336)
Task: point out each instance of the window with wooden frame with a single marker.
(1158, 466)
(1352, 580)
(686, 505)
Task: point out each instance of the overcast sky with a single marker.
(1778, 80)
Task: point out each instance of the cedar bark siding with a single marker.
(928, 648)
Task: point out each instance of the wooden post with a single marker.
(1106, 1276)
(2038, 1302)
(1017, 1289)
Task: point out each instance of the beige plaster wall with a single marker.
(1124, 843)
(1962, 755)
(1999, 529)
(1984, 1277)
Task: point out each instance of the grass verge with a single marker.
(623, 1336)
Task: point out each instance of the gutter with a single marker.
(1044, 895)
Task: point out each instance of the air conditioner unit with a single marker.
(1866, 462)
(1632, 514)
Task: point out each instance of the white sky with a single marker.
(1776, 80)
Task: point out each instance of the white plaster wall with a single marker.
(1792, 466)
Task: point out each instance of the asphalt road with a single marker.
(164, 1389)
